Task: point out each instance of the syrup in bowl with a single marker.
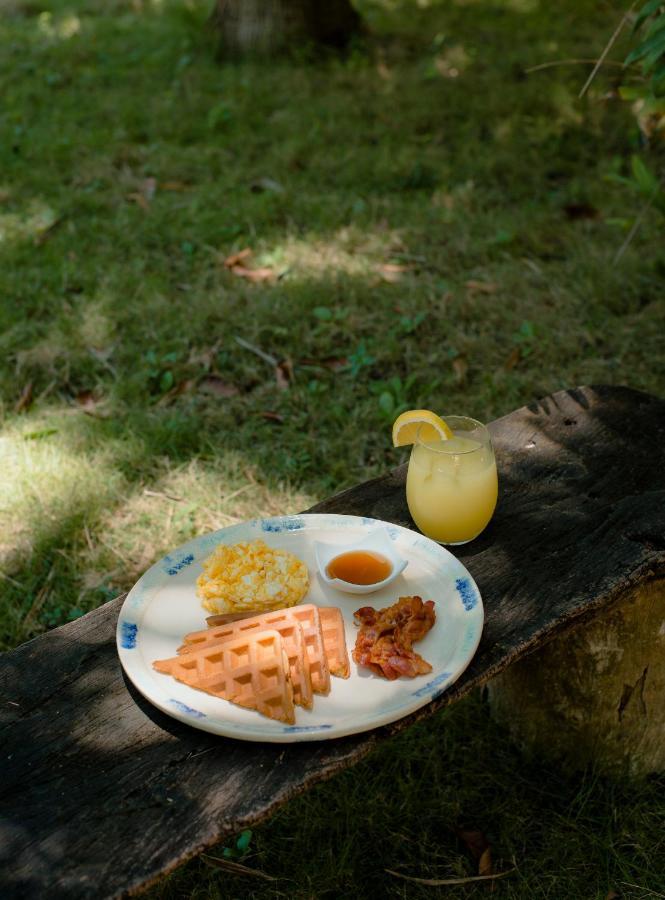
(359, 567)
(363, 566)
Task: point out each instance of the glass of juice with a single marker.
(452, 485)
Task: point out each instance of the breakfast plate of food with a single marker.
(258, 632)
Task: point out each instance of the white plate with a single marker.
(163, 606)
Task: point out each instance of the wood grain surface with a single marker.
(101, 793)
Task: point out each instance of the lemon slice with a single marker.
(406, 427)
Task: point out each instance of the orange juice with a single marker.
(452, 485)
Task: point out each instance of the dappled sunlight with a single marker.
(350, 251)
(187, 500)
(47, 484)
(96, 328)
(59, 28)
(33, 220)
(63, 492)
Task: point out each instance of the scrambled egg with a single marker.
(251, 576)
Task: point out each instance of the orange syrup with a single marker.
(359, 567)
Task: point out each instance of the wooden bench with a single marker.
(94, 778)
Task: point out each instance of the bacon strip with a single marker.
(385, 641)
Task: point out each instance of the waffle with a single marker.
(334, 641)
(332, 630)
(307, 615)
(250, 671)
(292, 640)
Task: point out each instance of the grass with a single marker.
(441, 232)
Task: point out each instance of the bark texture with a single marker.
(263, 27)
(100, 793)
(595, 695)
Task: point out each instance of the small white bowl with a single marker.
(378, 540)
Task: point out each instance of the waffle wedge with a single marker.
(334, 641)
(293, 642)
(251, 671)
(306, 615)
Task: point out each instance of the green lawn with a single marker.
(440, 228)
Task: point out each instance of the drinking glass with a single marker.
(452, 485)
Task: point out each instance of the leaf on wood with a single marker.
(236, 258)
(235, 868)
(213, 384)
(25, 399)
(575, 211)
(460, 368)
(436, 882)
(513, 359)
(482, 287)
(284, 374)
(270, 416)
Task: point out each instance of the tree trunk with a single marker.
(267, 26)
(594, 695)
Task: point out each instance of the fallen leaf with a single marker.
(270, 416)
(86, 400)
(145, 193)
(213, 384)
(474, 841)
(460, 368)
(482, 287)
(25, 399)
(236, 258)
(513, 359)
(613, 895)
(174, 186)
(139, 199)
(284, 374)
(90, 405)
(485, 866)
(392, 272)
(253, 274)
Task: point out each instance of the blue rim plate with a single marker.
(163, 606)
